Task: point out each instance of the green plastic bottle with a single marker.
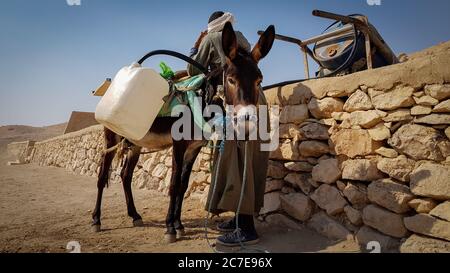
(166, 71)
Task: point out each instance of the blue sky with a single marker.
(52, 54)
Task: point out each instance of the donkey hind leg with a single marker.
(111, 139)
(189, 159)
(131, 160)
(179, 149)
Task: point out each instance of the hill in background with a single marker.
(15, 133)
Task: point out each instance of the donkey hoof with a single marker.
(180, 233)
(96, 228)
(170, 238)
(138, 223)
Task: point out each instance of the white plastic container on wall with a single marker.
(132, 102)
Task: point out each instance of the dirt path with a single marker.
(42, 209)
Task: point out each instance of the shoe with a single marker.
(238, 238)
(227, 226)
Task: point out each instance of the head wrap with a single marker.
(218, 24)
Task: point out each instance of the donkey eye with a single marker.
(231, 81)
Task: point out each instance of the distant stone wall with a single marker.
(364, 156)
(21, 151)
(80, 152)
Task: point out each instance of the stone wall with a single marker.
(21, 151)
(368, 155)
(364, 156)
(80, 153)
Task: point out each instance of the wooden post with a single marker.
(305, 62)
(368, 51)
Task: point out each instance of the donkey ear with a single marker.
(229, 41)
(264, 44)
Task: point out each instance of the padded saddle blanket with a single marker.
(185, 92)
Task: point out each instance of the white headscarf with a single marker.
(218, 24)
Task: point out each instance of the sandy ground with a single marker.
(42, 209)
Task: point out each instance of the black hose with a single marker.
(176, 55)
(331, 74)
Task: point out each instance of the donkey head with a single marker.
(243, 78)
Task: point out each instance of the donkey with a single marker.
(241, 87)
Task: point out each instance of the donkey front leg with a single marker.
(131, 161)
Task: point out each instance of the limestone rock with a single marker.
(399, 168)
(426, 101)
(386, 152)
(438, 91)
(160, 171)
(364, 119)
(274, 185)
(340, 116)
(313, 148)
(353, 215)
(299, 166)
(434, 119)
(327, 171)
(280, 220)
(199, 177)
(322, 109)
(297, 205)
(384, 221)
(354, 143)
(361, 170)
(444, 147)
(289, 131)
(431, 180)
(422, 205)
(419, 244)
(329, 199)
(398, 115)
(271, 203)
(356, 194)
(380, 133)
(300, 181)
(390, 195)
(276, 170)
(358, 101)
(398, 98)
(315, 131)
(418, 142)
(420, 110)
(443, 107)
(328, 227)
(287, 190)
(366, 235)
(427, 225)
(442, 211)
(447, 132)
(286, 151)
(294, 114)
(341, 185)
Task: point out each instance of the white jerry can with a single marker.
(132, 102)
